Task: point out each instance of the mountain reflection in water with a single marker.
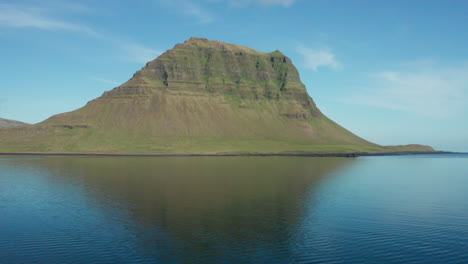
(205, 208)
(84, 209)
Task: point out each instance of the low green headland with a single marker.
(10, 123)
(201, 96)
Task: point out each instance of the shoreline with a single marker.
(312, 154)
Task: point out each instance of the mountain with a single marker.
(10, 123)
(202, 96)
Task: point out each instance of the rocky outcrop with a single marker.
(200, 66)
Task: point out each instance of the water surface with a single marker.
(233, 209)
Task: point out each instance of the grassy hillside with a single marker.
(200, 97)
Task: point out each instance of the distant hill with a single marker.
(410, 147)
(202, 96)
(10, 123)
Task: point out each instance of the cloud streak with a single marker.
(430, 91)
(316, 58)
(18, 16)
(285, 3)
(196, 11)
(190, 9)
(200, 11)
(139, 53)
(246, 3)
(41, 17)
(106, 81)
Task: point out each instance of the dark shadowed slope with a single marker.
(201, 96)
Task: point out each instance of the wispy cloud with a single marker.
(19, 16)
(191, 9)
(67, 6)
(428, 90)
(106, 81)
(277, 2)
(196, 11)
(246, 3)
(139, 53)
(315, 58)
(43, 16)
(200, 11)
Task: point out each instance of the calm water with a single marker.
(234, 209)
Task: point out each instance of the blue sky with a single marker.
(393, 72)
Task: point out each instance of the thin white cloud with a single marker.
(246, 3)
(18, 16)
(190, 9)
(200, 11)
(41, 17)
(67, 6)
(285, 3)
(316, 58)
(139, 53)
(106, 81)
(430, 90)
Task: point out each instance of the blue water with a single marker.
(393, 209)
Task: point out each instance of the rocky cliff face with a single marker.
(201, 67)
(202, 96)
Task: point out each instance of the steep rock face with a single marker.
(203, 67)
(201, 96)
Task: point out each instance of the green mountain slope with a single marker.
(201, 96)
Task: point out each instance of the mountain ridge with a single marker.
(10, 123)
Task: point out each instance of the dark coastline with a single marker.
(346, 155)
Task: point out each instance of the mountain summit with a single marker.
(202, 96)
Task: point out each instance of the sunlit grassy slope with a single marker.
(200, 97)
